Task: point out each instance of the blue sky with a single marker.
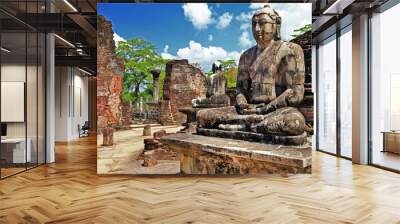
(199, 32)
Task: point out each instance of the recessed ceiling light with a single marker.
(5, 50)
(86, 72)
(64, 40)
(70, 5)
(337, 7)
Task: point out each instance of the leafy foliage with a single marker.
(140, 58)
(231, 76)
(302, 30)
(229, 68)
(227, 64)
(208, 74)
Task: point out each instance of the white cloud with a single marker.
(294, 16)
(117, 38)
(224, 20)
(167, 55)
(198, 14)
(204, 56)
(244, 40)
(257, 5)
(210, 37)
(244, 26)
(244, 17)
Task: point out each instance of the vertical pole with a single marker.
(50, 92)
(360, 122)
(338, 98)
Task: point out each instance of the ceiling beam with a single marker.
(89, 30)
(81, 61)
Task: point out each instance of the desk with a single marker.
(391, 141)
(13, 150)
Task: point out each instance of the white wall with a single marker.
(12, 73)
(16, 73)
(33, 126)
(71, 102)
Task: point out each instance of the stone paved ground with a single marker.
(128, 145)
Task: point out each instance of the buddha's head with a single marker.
(266, 25)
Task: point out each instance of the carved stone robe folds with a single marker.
(270, 85)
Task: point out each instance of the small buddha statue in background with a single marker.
(216, 90)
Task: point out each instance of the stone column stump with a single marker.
(149, 159)
(108, 136)
(147, 130)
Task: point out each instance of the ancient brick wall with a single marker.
(109, 79)
(183, 83)
(126, 115)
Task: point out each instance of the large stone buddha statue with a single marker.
(270, 84)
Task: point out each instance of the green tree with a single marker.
(227, 64)
(229, 69)
(231, 77)
(302, 30)
(140, 58)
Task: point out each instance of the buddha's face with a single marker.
(264, 29)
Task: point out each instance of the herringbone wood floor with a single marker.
(69, 191)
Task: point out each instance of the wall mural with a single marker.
(235, 97)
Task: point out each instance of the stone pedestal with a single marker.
(210, 155)
(255, 137)
(190, 126)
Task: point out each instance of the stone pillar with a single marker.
(156, 90)
(50, 98)
(147, 130)
(108, 136)
(50, 93)
(360, 90)
(109, 77)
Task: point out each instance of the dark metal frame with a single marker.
(338, 33)
(338, 98)
(0, 88)
(44, 77)
(369, 125)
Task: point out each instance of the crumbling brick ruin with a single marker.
(183, 83)
(110, 109)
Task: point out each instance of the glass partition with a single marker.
(346, 92)
(22, 78)
(326, 95)
(385, 89)
(31, 98)
(41, 97)
(13, 94)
